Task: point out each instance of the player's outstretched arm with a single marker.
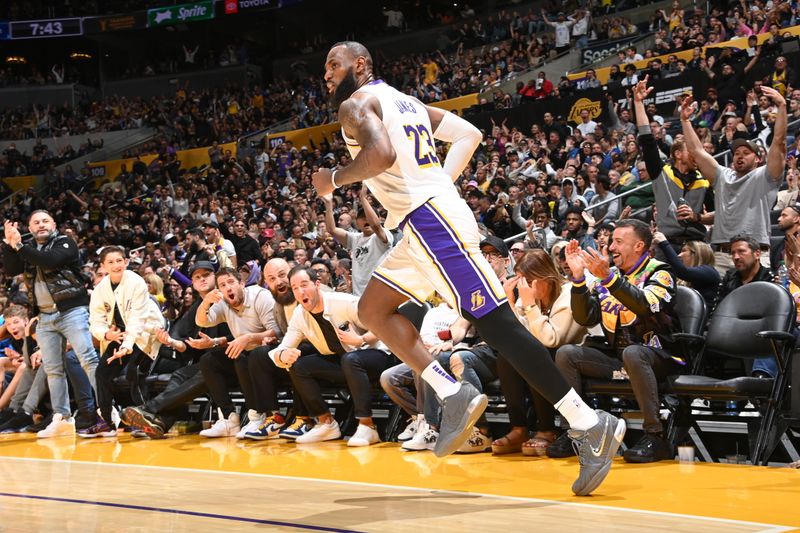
(360, 116)
(465, 138)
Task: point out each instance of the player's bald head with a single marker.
(355, 50)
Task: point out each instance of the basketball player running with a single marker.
(391, 138)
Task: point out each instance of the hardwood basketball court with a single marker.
(193, 484)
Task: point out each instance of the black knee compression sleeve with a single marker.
(505, 333)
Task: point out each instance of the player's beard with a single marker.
(345, 89)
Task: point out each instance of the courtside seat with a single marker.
(720, 389)
(493, 388)
(754, 321)
(156, 383)
(619, 387)
(497, 402)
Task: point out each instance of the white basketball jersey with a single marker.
(417, 174)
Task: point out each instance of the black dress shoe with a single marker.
(6, 415)
(651, 447)
(17, 424)
(43, 423)
(562, 447)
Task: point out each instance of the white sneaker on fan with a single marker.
(364, 436)
(223, 427)
(59, 427)
(321, 432)
(411, 428)
(254, 420)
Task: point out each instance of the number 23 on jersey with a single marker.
(424, 149)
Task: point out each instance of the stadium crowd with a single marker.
(225, 274)
(478, 58)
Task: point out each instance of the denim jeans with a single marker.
(474, 368)
(768, 365)
(30, 391)
(53, 332)
(404, 387)
(34, 384)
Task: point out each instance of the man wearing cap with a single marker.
(562, 29)
(223, 248)
(189, 343)
(679, 190)
(744, 194)
(495, 250)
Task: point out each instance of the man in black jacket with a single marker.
(52, 272)
(633, 301)
(190, 341)
(196, 249)
(746, 255)
(247, 248)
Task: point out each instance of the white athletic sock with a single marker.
(443, 383)
(579, 415)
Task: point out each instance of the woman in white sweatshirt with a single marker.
(543, 305)
(125, 319)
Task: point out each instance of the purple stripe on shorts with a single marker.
(453, 262)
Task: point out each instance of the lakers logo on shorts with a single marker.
(478, 300)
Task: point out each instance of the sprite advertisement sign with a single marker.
(165, 16)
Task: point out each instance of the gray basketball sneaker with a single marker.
(459, 413)
(596, 447)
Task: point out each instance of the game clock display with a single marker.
(37, 29)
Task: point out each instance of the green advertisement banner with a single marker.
(167, 15)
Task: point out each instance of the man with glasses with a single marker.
(517, 250)
(496, 251)
(324, 271)
(246, 247)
